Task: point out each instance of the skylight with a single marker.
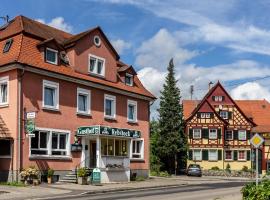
(7, 45)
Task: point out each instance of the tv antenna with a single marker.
(5, 18)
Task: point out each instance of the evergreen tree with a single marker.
(171, 142)
(154, 159)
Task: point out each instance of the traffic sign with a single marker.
(256, 140)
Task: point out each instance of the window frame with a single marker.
(4, 80)
(141, 140)
(245, 155)
(213, 138)
(193, 130)
(87, 93)
(95, 71)
(216, 156)
(56, 57)
(226, 155)
(227, 114)
(131, 78)
(55, 86)
(10, 145)
(193, 154)
(7, 45)
(238, 132)
(114, 147)
(112, 98)
(135, 104)
(226, 134)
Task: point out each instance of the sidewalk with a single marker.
(63, 189)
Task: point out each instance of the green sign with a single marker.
(96, 176)
(30, 126)
(104, 130)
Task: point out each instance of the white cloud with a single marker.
(121, 45)
(251, 90)
(58, 23)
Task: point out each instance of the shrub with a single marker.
(29, 173)
(261, 192)
(140, 178)
(228, 168)
(245, 168)
(50, 173)
(82, 172)
(215, 168)
(164, 174)
(153, 173)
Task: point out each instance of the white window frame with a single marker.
(95, 67)
(210, 134)
(132, 77)
(227, 114)
(226, 134)
(54, 85)
(245, 152)
(56, 57)
(202, 115)
(133, 103)
(200, 133)
(141, 140)
(244, 138)
(207, 115)
(112, 98)
(216, 156)
(193, 155)
(231, 155)
(87, 93)
(218, 98)
(4, 80)
(49, 143)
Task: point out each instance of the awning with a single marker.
(107, 131)
(4, 131)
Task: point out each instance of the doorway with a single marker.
(93, 154)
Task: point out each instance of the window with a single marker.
(5, 150)
(51, 56)
(113, 147)
(97, 40)
(50, 95)
(49, 143)
(242, 135)
(96, 65)
(229, 135)
(3, 91)
(213, 155)
(224, 114)
(132, 111)
(241, 155)
(137, 149)
(7, 45)
(83, 101)
(197, 154)
(228, 155)
(197, 133)
(218, 98)
(212, 133)
(109, 106)
(205, 115)
(129, 79)
(202, 115)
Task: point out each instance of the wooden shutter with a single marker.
(205, 133)
(248, 154)
(213, 98)
(204, 154)
(223, 98)
(190, 155)
(219, 133)
(248, 135)
(198, 115)
(235, 134)
(190, 133)
(229, 115)
(211, 115)
(235, 155)
(219, 154)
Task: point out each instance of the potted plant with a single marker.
(50, 174)
(82, 176)
(30, 175)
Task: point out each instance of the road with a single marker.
(206, 191)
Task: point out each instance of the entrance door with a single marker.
(93, 154)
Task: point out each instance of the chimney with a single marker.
(209, 85)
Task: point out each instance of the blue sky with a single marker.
(209, 40)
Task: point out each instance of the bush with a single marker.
(29, 173)
(228, 168)
(261, 192)
(245, 168)
(164, 174)
(82, 172)
(140, 178)
(154, 173)
(215, 168)
(50, 173)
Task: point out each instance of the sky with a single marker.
(209, 40)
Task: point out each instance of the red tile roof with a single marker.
(24, 50)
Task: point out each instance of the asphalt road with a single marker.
(206, 191)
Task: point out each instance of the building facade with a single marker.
(67, 101)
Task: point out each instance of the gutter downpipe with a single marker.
(19, 102)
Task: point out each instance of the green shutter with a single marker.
(248, 135)
(219, 154)
(235, 134)
(230, 115)
(211, 115)
(248, 154)
(213, 98)
(190, 155)
(204, 154)
(190, 133)
(198, 115)
(205, 133)
(235, 155)
(219, 133)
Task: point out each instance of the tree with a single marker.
(154, 159)
(171, 141)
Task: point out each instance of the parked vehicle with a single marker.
(194, 170)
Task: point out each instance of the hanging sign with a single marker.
(30, 115)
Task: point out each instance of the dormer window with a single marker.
(129, 79)
(7, 45)
(96, 65)
(51, 56)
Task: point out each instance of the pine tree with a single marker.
(171, 140)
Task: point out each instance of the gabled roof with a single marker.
(211, 107)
